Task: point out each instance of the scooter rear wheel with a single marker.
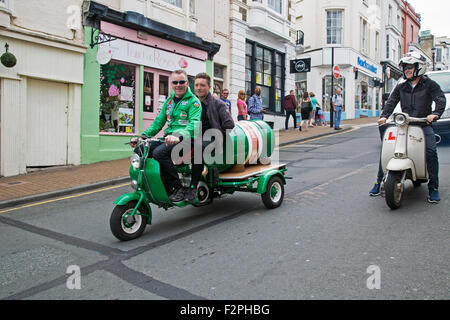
(393, 193)
(125, 227)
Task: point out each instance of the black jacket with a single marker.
(416, 102)
(218, 116)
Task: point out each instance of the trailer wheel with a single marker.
(273, 197)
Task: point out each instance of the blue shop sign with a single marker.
(368, 66)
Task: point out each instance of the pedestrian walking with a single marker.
(289, 105)
(242, 106)
(337, 103)
(305, 109)
(315, 106)
(255, 106)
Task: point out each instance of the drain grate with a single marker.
(13, 183)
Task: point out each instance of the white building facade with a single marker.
(353, 30)
(261, 49)
(40, 96)
(391, 50)
(442, 53)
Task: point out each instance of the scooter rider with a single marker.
(183, 112)
(416, 95)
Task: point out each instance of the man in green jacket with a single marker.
(182, 110)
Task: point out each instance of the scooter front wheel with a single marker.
(394, 189)
(126, 227)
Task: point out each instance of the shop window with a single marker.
(265, 69)
(148, 92)
(117, 98)
(326, 90)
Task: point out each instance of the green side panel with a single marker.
(153, 181)
(264, 180)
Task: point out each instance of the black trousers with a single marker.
(290, 113)
(197, 168)
(162, 153)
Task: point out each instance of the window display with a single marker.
(117, 98)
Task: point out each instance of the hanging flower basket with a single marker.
(8, 59)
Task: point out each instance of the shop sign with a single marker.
(366, 65)
(151, 57)
(104, 55)
(301, 65)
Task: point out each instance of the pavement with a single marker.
(62, 181)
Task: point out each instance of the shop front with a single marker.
(127, 83)
(359, 81)
(367, 89)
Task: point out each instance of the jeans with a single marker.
(431, 156)
(256, 116)
(290, 113)
(240, 117)
(337, 116)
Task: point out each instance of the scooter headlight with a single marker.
(135, 161)
(400, 119)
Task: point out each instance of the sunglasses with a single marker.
(408, 67)
(179, 82)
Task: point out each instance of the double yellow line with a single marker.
(63, 198)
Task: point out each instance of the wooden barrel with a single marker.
(249, 142)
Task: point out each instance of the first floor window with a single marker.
(117, 98)
(387, 47)
(177, 3)
(334, 27)
(275, 5)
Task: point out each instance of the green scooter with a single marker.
(132, 212)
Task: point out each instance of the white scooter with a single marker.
(403, 157)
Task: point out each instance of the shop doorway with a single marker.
(155, 93)
(47, 123)
(218, 87)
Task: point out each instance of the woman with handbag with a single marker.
(305, 109)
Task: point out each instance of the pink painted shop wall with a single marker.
(152, 41)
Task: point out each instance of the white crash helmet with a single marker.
(418, 60)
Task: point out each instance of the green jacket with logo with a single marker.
(184, 118)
